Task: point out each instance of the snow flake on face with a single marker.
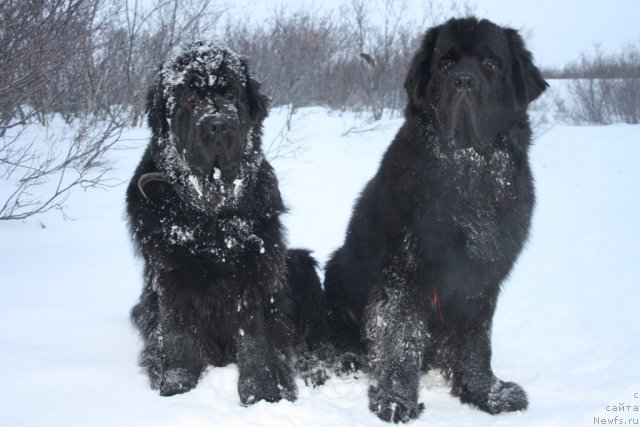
(204, 67)
(176, 170)
(208, 110)
(205, 111)
(199, 66)
(202, 193)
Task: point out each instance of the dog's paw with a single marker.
(506, 397)
(315, 377)
(174, 381)
(500, 397)
(350, 363)
(311, 369)
(392, 408)
(271, 383)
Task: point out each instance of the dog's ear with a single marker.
(420, 71)
(527, 78)
(156, 107)
(258, 103)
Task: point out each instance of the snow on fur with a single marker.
(199, 66)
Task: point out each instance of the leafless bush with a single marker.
(75, 57)
(39, 41)
(88, 62)
(604, 101)
(598, 65)
(39, 175)
(43, 49)
(369, 74)
(436, 12)
(353, 58)
(608, 90)
(290, 53)
(626, 107)
(91, 61)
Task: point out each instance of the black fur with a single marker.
(438, 228)
(219, 284)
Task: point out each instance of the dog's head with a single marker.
(472, 78)
(206, 114)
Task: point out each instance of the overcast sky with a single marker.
(562, 29)
(557, 31)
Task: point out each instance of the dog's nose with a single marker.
(215, 126)
(465, 81)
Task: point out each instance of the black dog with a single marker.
(203, 207)
(438, 228)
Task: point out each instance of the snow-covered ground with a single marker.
(567, 326)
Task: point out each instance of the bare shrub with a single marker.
(354, 58)
(590, 105)
(40, 174)
(39, 41)
(290, 53)
(43, 51)
(88, 62)
(378, 55)
(605, 88)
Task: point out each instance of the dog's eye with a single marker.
(490, 64)
(446, 64)
(192, 98)
(230, 95)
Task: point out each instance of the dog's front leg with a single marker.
(473, 379)
(264, 367)
(396, 329)
(172, 355)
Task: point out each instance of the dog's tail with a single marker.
(310, 319)
(307, 296)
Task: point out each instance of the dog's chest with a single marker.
(223, 240)
(484, 178)
(466, 198)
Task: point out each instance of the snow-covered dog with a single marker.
(438, 228)
(203, 205)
